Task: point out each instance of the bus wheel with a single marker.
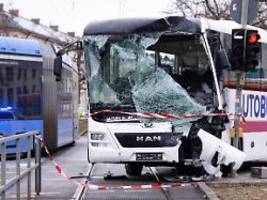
(133, 169)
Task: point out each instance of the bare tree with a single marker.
(261, 20)
(215, 9)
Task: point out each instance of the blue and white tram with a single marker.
(30, 96)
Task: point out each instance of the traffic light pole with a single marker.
(240, 79)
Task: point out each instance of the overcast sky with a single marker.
(73, 15)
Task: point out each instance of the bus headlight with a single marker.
(97, 136)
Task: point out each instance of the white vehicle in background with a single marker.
(154, 86)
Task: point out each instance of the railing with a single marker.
(31, 137)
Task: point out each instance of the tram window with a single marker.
(6, 115)
(1, 77)
(33, 73)
(33, 88)
(25, 74)
(18, 91)
(19, 73)
(22, 90)
(9, 74)
(10, 96)
(25, 89)
(66, 85)
(1, 97)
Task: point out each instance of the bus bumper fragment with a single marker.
(216, 152)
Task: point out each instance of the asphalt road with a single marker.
(73, 162)
(114, 175)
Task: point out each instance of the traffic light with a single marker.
(252, 50)
(237, 49)
(245, 50)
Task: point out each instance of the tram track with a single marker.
(142, 192)
(80, 191)
(153, 172)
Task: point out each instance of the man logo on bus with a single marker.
(148, 138)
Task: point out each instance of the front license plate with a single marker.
(149, 156)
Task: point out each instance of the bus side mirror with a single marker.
(222, 61)
(58, 67)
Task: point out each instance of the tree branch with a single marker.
(208, 6)
(216, 9)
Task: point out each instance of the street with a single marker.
(73, 161)
(174, 100)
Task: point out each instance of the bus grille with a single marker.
(133, 140)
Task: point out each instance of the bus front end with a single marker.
(150, 94)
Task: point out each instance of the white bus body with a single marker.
(148, 124)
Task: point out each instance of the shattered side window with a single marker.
(124, 76)
(93, 53)
(99, 90)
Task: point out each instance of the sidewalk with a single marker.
(243, 186)
(73, 161)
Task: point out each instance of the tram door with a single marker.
(65, 108)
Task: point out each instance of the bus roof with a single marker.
(19, 46)
(143, 24)
(226, 26)
(164, 23)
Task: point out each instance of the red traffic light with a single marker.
(253, 38)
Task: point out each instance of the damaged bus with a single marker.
(155, 85)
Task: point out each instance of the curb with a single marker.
(209, 194)
(233, 183)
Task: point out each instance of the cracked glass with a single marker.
(136, 73)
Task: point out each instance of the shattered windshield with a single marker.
(148, 73)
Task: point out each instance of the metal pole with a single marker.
(29, 166)
(3, 169)
(18, 166)
(244, 14)
(38, 169)
(240, 82)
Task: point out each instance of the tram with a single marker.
(162, 92)
(30, 96)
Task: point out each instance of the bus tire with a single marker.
(133, 169)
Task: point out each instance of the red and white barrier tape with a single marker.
(52, 159)
(162, 115)
(90, 186)
(139, 186)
